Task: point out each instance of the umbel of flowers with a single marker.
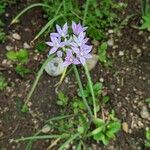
(70, 44)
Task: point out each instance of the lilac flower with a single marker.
(62, 32)
(56, 43)
(79, 40)
(83, 53)
(70, 59)
(73, 47)
(77, 28)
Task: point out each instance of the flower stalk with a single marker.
(82, 92)
(91, 89)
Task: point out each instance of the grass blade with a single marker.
(15, 20)
(42, 137)
(49, 24)
(68, 141)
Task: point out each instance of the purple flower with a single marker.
(77, 28)
(56, 43)
(70, 59)
(79, 40)
(62, 32)
(83, 53)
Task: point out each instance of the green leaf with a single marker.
(62, 99)
(98, 122)
(147, 144)
(146, 24)
(96, 131)
(110, 134)
(147, 100)
(148, 135)
(114, 126)
(21, 70)
(11, 55)
(106, 99)
(105, 140)
(41, 47)
(98, 137)
(102, 52)
(3, 83)
(22, 55)
(25, 109)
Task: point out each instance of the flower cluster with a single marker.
(72, 47)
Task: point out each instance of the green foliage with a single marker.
(21, 70)
(147, 100)
(3, 82)
(102, 52)
(62, 99)
(101, 14)
(105, 130)
(145, 6)
(2, 11)
(146, 23)
(2, 36)
(97, 87)
(41, 47)
(20, 58)
(147, 142)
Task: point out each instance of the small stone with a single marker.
(101, 79)
(26, 45)
(121, 53)
(112, 87)
(145, 113)
(140, 32)
(110, 31)
(1, 134)
(55, 67)
(8, 47)
(91, 62)
(138, 51)
(118, 89)
(16, 36)
(110, 42)
(7, 14)
(125, 127)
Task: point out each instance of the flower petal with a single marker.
(49, 43)
(53, 50)
(58, 28)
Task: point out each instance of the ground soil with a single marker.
(127, 83)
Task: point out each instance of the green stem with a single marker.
(42, 137)
(40, 72)
(91, 89)
(86, 11)
(73, 137)
(82, 92)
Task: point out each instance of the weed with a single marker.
(3, 82)
(147, 142)
(20, 58)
